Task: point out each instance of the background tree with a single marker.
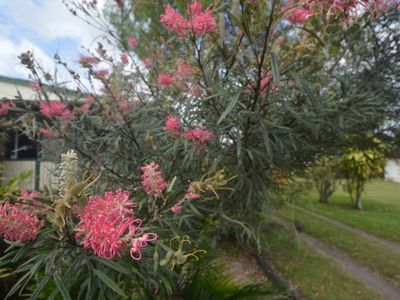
(357, 167)
(324, 174)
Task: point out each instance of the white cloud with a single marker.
(49, 19)
(9, 62)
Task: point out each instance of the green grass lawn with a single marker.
(377, 257)
(381, 214)
(316, 276)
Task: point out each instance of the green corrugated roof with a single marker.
(16, 81)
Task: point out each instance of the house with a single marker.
(392, 170)
(19, 152)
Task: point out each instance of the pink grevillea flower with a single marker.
(183, 70)
(152, 181)
(85, 107)
(177, 208)
(124, 58)
(18, 224)
(191, 195)
(90, 99)
(87, 60)
(114, 205)
(68, 114)
(165, 79)
(266, 85)
(52, 108)
(298, 11)
(148, 62)
(109, 227)
(139, 243)
(29, 195)
(88, 102)
(4, 108)
(200, 136)
(132, 42)
(173, 125)
(195, 90)
(347, 10)
(173, 20)
(202, 23)
(194, 8)
(101, 74)
(300, 15)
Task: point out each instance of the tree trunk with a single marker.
(359, 198)
(323, 198)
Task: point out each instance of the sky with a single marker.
(45, 27)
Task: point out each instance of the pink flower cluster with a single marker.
(4, 107)
(199, 135)
(132, 41)
(190, 195)
(53, 109)
(183, 71)
(101, 74)
(88, 102)
(29, 195)
(165, 79)
(299, 11)
(152, 180)
(108, 226)
(18, 224)
(173, 125)
(298, 14)
(198, 21)
(266, 85)
(148, 62)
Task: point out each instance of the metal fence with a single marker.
(42, 172)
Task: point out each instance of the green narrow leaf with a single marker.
(267, 143)
(307, 89)
(111, 264)
(275, 69)
(171, 185)
(229, 108)
(41, 285)
(62, 288)
(110, 283)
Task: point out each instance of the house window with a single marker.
(19, 146)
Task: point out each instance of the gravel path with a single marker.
(370, 236)
(362, 273)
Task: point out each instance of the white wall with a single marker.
(11, 90)
(392, 170)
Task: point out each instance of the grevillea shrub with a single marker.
(113, 244)
(257, 89)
